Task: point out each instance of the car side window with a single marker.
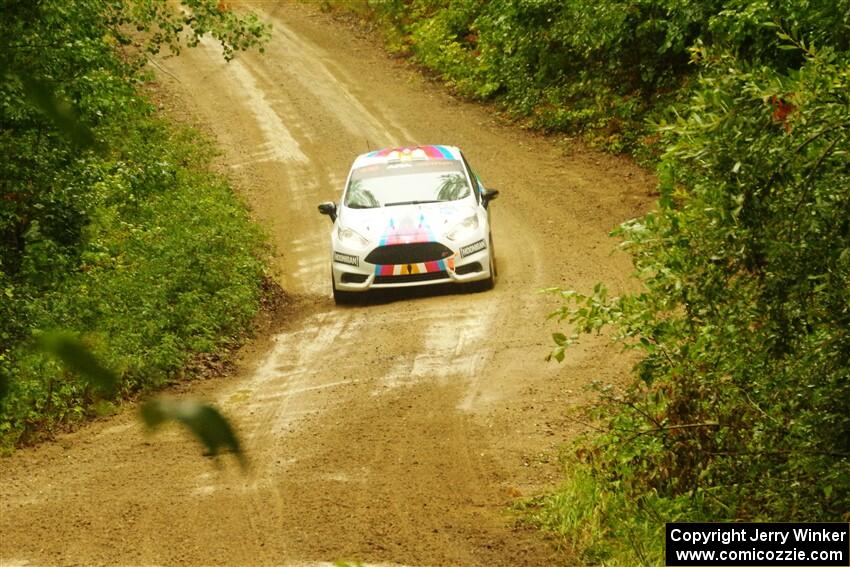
(478, 187)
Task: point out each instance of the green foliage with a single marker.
(111, 226)
(740, 410)
(202, 420)
(167, 265)
(603, 526)
(595, 69)
(77, 358)
(57, 109)
(163, 26)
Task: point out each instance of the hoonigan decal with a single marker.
(417, 152)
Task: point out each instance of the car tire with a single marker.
(494, 267)
(342, 297)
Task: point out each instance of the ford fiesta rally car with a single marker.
(407, 217)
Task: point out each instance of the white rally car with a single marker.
(408, 217)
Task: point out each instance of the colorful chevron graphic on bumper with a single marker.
(420, 268)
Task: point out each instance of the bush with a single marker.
(168, 264)
(111, 226)
(740, 407)
(593, 69)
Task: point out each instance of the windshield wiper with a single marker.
(411, 203)
(358, 206)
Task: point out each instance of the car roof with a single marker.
(407, 153)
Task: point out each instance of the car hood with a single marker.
(405, 224)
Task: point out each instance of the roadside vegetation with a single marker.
(112, 226)
(739, 408)
(593, 70)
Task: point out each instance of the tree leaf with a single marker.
(80, 360)
(203, 420)
(56, 108)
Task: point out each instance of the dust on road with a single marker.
(395, 432)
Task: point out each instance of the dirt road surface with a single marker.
(396, 432)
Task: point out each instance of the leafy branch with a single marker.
(202, 420)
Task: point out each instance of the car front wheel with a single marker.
(342, 297)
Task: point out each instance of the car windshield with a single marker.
(406, 183)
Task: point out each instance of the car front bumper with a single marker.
(468, 263)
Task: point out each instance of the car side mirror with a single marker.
(329, 209)
(488, 195)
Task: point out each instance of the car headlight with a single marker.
(351, 238)
(464, 228)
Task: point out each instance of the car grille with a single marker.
(407, 278)
(413, 253)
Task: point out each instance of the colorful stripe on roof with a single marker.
(415, 152)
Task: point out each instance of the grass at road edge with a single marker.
(598, 524)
